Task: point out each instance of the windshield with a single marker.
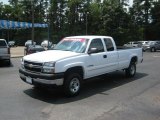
(72, 44)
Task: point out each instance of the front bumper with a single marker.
(41, 78)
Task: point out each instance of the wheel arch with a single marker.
(134, 59)
(75, 69)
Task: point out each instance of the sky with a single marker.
(6, 1)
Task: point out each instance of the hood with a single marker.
(49, 56)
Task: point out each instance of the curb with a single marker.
(16, 56)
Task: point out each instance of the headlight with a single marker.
(22, 63)
(48, 67)
(22, 60)
(49, 64)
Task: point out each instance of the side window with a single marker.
(158, 42)
(109, 44)
(97, 43)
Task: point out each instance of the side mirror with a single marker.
(93, 50)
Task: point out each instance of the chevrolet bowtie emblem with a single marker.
(30, 65)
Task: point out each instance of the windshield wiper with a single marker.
(67, 50)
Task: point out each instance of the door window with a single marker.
(97, 43)
(109, 44)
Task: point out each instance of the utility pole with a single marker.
(48, 19)
(87, 22)
(8, 25)
(32, 8)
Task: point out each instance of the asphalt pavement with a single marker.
(111, 97)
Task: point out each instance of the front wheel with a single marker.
(131, 70)
(72, 84)
(153, 49)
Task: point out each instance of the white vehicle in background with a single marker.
(76, 59)
(45, 43)
(29, 42)
(4, 51)
(132, 44)
(12, 43)
(143, 42)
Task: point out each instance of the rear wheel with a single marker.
(153, 49)
(37, 87)
(131, 70)
(72, 84)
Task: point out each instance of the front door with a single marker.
(95, 61)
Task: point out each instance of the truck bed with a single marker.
(124, 48)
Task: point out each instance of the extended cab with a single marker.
(75, 59)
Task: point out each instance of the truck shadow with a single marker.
(95, 86)
(4, 64)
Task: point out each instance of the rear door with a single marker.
(111, 62)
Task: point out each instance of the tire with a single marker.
(72, 84)
(38, 87)
(153, 49)
(131, 70)
(9, 62)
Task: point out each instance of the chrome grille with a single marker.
(33, 66)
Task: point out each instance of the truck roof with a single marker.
(89, 36)
(2, 39)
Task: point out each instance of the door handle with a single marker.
(104, 56)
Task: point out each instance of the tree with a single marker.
(97, 17)
(141, 12)
(154, 26)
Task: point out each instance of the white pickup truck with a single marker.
(77, 58)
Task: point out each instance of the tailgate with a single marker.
(3, 50)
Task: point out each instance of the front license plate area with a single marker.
(29, 80)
